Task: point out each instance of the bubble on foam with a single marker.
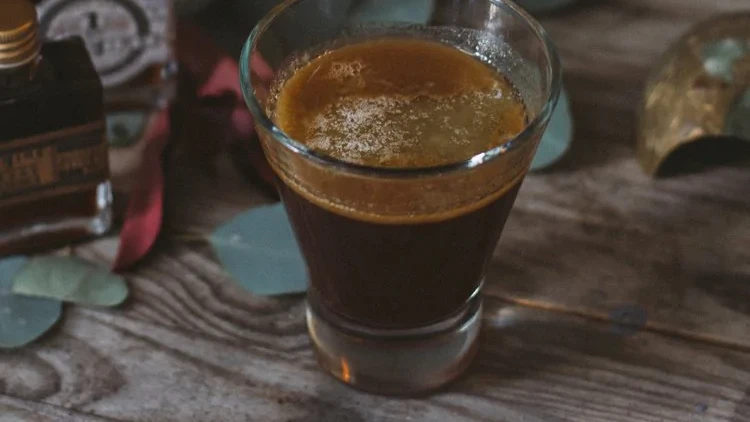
(358, 129)
(408, 130)
(345, 70)
(320, 142)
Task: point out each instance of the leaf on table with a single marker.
(558, 136)
(10, 266)
(143, 218)
(70, 279)
(719, 57)
(259, 250)
(23, 319)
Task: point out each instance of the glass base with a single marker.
(396, 362)
(44, 233)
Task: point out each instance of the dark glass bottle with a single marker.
(54, 169)
(131, 43)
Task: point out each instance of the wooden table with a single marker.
(591, 242)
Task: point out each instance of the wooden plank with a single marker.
(608, 49)
(593, 233)
(590, 236)
(19, 410)
(533, 366)
(678, 251)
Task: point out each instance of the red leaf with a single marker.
(224, 79)
(144, 214)
(229, 122)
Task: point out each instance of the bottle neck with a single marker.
(20, 75)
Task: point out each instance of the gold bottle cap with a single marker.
(19, 39)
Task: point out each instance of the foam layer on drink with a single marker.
(399, 103)
(396, 102)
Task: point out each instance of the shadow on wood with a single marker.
(729, 289)
(702, 154)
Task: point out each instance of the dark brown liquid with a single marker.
(395, 275)
(398, 103)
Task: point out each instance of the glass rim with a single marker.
(259, 115)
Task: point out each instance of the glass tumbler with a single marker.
(396, 257)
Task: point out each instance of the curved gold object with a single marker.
(700, 88)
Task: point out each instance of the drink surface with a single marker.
(396, 102)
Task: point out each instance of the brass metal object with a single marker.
(19, 42)
(699, 89)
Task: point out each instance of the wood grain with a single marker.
(592, 233)
(533, 366)
(19, 410)
(588, 237)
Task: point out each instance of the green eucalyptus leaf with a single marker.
(70, 279)
(22, 319)
(557, 138)
(125, 128)
(719, 57)
(259, 250)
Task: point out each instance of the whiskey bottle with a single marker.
(54, 170)
(131, 43)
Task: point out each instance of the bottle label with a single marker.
(55, 163)
(123, 37)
